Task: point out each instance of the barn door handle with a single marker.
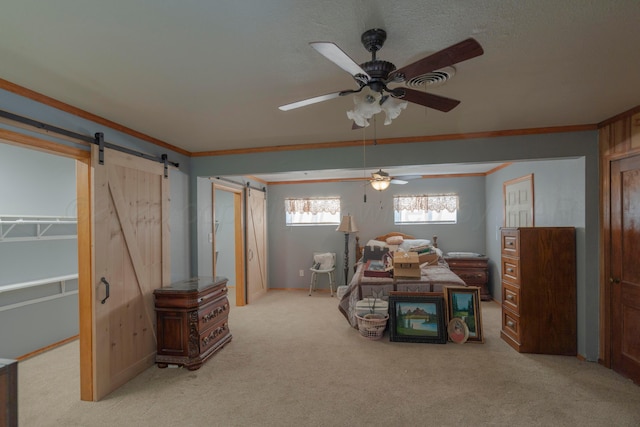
(106, 284)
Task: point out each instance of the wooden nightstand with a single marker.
(192, 319)
(473, 270)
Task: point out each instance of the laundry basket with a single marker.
(372, 326)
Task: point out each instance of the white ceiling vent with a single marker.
(433, 78)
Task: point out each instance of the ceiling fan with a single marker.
(380, 180)
(378, 74)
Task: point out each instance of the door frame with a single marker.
(238, 226)
(85, 273)
(606, 273)
(618, 139)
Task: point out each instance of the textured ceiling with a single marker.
(208, 75)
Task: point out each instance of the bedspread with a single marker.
(433, 279)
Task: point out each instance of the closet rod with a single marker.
(85, 138)
(247, 185)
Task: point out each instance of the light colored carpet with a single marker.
(295, 361)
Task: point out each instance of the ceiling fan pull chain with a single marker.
(364, 161)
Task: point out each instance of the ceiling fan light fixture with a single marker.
(369, 103)
(380, 184)
(366, 105)
(392, 107)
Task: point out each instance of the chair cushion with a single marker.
(323, 261)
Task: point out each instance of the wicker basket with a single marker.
(372, 326)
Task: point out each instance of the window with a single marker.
(312, 211)
(429, 208)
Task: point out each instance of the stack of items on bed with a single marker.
(429, 276)
(406, 264)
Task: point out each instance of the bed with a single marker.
(433, 275)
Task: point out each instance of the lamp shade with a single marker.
(380, 184)
(347, 225)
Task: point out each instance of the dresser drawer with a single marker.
(511, 297)
(212, 312)
(214, 335)
(471, 277)
(511, 270)
(511, 324)
(510, 243)
(461, 263)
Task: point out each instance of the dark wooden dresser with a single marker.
(473, 270)
(8, 393)
(192, 321)
(539, 289)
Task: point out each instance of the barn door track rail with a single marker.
(97, 139)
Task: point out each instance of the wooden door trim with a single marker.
(84, 186)
(241, 291)
(605, 263)
(238, 237)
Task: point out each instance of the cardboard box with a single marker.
(406, 264)
(428, 257)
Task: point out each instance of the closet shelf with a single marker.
(24, 228)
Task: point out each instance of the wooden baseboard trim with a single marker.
(47, 348)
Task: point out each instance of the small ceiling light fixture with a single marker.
(380, 184)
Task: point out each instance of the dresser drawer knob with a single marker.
(510, 243)
(510, 323)
(510, 297)
(509, 270)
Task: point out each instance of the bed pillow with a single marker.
(407, 244)
(394, 240)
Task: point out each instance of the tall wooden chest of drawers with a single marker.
(192, 321)
(539, 289)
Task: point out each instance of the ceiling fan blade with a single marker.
(336, 55)
(399, 181)
(309, 101)
(451, 55)
(408, 177)
(430, 100)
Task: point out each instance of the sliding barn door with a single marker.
(256, 244)
(131, 259)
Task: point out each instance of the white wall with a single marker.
(35, 183)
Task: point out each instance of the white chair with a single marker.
(323, 263)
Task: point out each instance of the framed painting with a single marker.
(417, 317)
(463, 302)
(458, 330)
